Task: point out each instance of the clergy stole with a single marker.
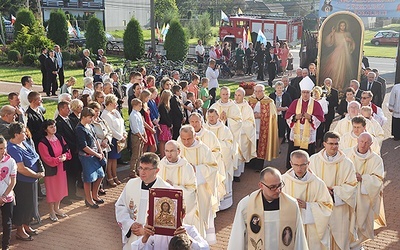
(255, 222)
(303, 141)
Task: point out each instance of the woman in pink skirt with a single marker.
(165, 121)
(53, 151)
(284, 53)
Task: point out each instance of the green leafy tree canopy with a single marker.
(24, 17)
(203, 30)
(133, 40)
(165, 11)
(58, 28)
(95, 35)
(176, 42)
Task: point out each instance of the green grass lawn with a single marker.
(387, 51)
(50, 106)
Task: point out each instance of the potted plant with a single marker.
(248, 87)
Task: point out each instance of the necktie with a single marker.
(369, 86)
(68, 122)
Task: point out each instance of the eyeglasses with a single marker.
(274, 188)
(145, 169)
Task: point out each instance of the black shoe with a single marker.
(102, 192)
(66, 201)
(48, 94)
(101, 201)
(91, 206)
(236, 179)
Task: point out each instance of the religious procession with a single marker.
(190, 144)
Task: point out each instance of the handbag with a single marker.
(121, 145)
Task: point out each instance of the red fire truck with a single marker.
(286, 29)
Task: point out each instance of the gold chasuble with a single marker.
(268, 142)
(254, 228)
(338, 173)
(370, 212)
(318, 209)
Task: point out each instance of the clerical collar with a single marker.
(300, 177)
(214, 125)
(148, 186)
(260, 99)
(172, 163)
(270, 206)
(200, 132)
(362, 155)
(194, 143)
(331, 157)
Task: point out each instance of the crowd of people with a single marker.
(332, 190)
(277, 59)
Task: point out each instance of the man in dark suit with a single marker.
(260, 56)
(295, 82)
(271, 59)
(176, 111)
(52, 71)
(382, 81)
(289, 88)
(35, 117)
(332, 96)
(66, 130)
(42, 60)
(373, 86)
(117, 91)
(357, 91)
(282, 104)
(60, 63)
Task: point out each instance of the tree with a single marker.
(58, 28)
(95, 35)
(24, 17)
(176, 42)
(165, 11)
(8, 7)
(133, 40)
(203, 29)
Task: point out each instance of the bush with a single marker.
(204, 27)
(28, 59)
(13, 55)
(58, 28)
(176, 42)
(24, 17)
(133, 40)
(95, 35)
(66, 56)
(192, 29)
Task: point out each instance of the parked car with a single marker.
(81, 42)
(386, 37)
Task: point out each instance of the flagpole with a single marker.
(152, 24)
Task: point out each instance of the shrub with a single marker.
(66, 56)
(28, 59)
(58, 28)
(176, 42)
(133, 40)
(95, 35)
(204, 27)
(192, 29)
(13, 55)
(24, 17)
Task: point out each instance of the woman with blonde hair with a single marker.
(116, 123)
(165, 120)
(150, 145)
(67, 87)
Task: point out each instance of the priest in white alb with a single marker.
(344, 125)
(132, 205)
(179, 173)
(225, 138)
(247, 147)
(349, 140)
(211, 141)
(268, 218)
(370, 172)
(230, 115)
(201, 157)
(313, 198)
(338, 173)
(379, 134)
(303, 117)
